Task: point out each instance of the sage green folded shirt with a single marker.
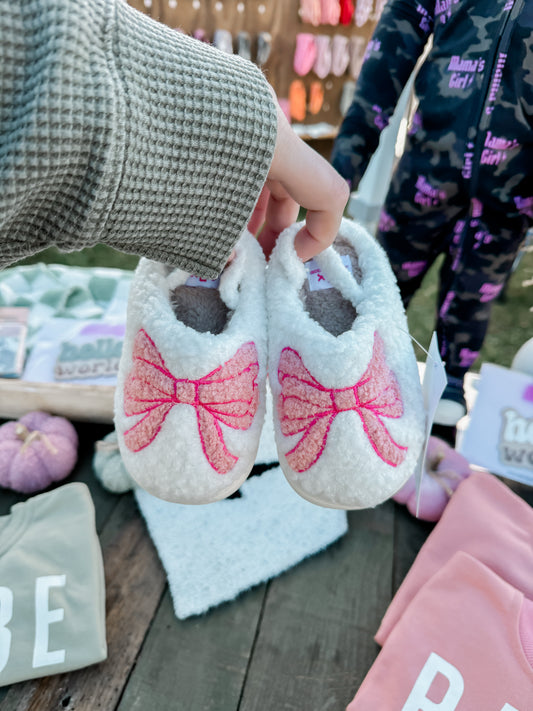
(52, 590)
(117, 129)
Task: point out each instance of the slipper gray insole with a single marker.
(328, 306)
(200, 308)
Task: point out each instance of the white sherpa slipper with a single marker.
(349, 414)
(190, 397)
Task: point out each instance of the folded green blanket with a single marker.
(54, 290)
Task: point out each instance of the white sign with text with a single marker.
(499, 435)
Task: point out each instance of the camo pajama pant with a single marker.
(424, 218)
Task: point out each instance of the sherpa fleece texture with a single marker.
(120, 130)
(213, 553)
(187, 434)
(110, 471)
(267, 452)
(350, 419)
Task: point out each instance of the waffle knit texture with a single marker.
(117, 129)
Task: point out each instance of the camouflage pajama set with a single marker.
(464, 185)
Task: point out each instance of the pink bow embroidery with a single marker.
(228, 395)
(304, 405)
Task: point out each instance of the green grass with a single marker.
(98, 256)
(511, 322)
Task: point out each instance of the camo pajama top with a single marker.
(464, 185)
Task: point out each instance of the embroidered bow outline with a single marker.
(228, 395)
(304, 405)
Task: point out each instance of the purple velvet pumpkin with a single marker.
(36, 451)
(444, 470)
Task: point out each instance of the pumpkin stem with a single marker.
(23, 433)
(438, 478)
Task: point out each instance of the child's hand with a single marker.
(299, 176)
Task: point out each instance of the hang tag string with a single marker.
(428, 354)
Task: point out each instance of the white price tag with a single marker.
(499, 435)
(433, 385)
(206, 283)
(316, 279)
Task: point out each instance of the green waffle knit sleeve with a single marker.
(117, 129)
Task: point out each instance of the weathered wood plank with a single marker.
(198, 664)
(134, 585)
(316, 635)
(8, 499)
(104, 501)
(410, 534)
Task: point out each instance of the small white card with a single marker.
(433, 385)
(499, 435)
(76, 351)
(316, 278)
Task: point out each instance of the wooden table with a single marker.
(302, 642)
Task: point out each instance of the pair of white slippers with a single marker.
(331, 334)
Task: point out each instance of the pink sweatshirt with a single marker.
(465, 643)
(485, 519)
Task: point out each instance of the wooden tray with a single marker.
(87, 403)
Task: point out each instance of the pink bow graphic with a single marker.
(228, 395)
(304, 405)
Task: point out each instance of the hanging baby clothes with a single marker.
(305, 53)
(52, 595)
(316, 97)
(340, 55)
(357, 55)
(297, 100)
(322, 65)
(347, 9)
(362, 12)
(331, 11)
(311, 12)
